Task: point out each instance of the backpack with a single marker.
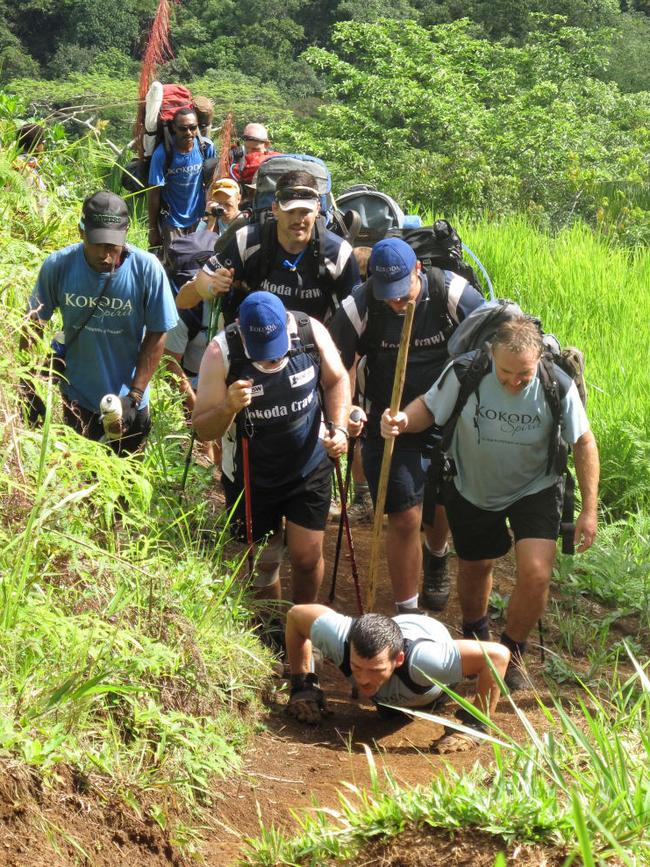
(186, 256)
(378, 213)
(438, 246)
(305, 341)
(243, 170)
(469, 346)
(162, 103)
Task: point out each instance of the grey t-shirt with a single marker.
(192, 351)
(437, 659)
(501, 452)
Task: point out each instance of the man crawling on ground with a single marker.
(392, 661)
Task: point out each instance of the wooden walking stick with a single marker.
(396, 398)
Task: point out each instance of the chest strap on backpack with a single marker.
(402, 672)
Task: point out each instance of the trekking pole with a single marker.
(343, 491)
(389, 444)
(248, 506)
(215, 310)
(355, 415)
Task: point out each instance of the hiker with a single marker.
(260, 379)
(284, 260)
(503, 475)
(256, 149)
(186, 342)
(392, 661)
(369, 325)
(222, 207)
(176, 200)
(108, 294)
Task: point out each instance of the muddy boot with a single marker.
(361, 510)
(435, 587)
(516, 677)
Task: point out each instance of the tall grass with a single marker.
(593, 295)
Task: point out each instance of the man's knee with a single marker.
(306, 560)
(534, 575)
(267, 570)
(408, 521)
(474, 570)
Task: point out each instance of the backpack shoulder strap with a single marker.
(470, 370)
(555, 386)
(306, 335)
(266, 252)
(404, 672)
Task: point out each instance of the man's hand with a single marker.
(357, 420)
(239, 395)
(210, 285)
(307, 702)
(585, 533)
(32, 403)
(129, 412)
(335, 442)
(393, 425)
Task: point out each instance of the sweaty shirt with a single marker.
(299, 289)
(438, 659)
(102, 359)
(183, 188)
(503, 456)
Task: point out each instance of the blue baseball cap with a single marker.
(263, 325)
(390, 266)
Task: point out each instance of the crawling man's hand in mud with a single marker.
(307, 701)
(454, 741)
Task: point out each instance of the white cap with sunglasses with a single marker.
(290, 198)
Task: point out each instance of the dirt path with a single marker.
(290, 765)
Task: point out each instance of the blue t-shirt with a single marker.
(435, 659)
(501, 448)
(102, 359)
(184, 191)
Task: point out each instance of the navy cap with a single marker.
(391, 264)
(263, 325)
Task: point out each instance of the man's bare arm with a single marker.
(148, 359)
(587, 464)
(472, 656)
(300, 620)
(336, 390)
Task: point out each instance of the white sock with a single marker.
(440, 553)
(408, 603)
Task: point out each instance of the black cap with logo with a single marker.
(105, 218)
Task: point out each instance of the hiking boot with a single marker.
(515, 678)
(435, 587)
(402, 610)
(361, 511)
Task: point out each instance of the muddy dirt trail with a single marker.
(289, 766)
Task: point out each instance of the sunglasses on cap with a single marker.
(253, 138)
(287, 194)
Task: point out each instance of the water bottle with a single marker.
(110, 408)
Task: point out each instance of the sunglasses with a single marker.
(252, 138)
(288, 193)
(190, 128)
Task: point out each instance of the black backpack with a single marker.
(438, 246)
(187, 255)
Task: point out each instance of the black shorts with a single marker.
(89, 425)
(305, 502)
(408, 471)
(480, 534)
